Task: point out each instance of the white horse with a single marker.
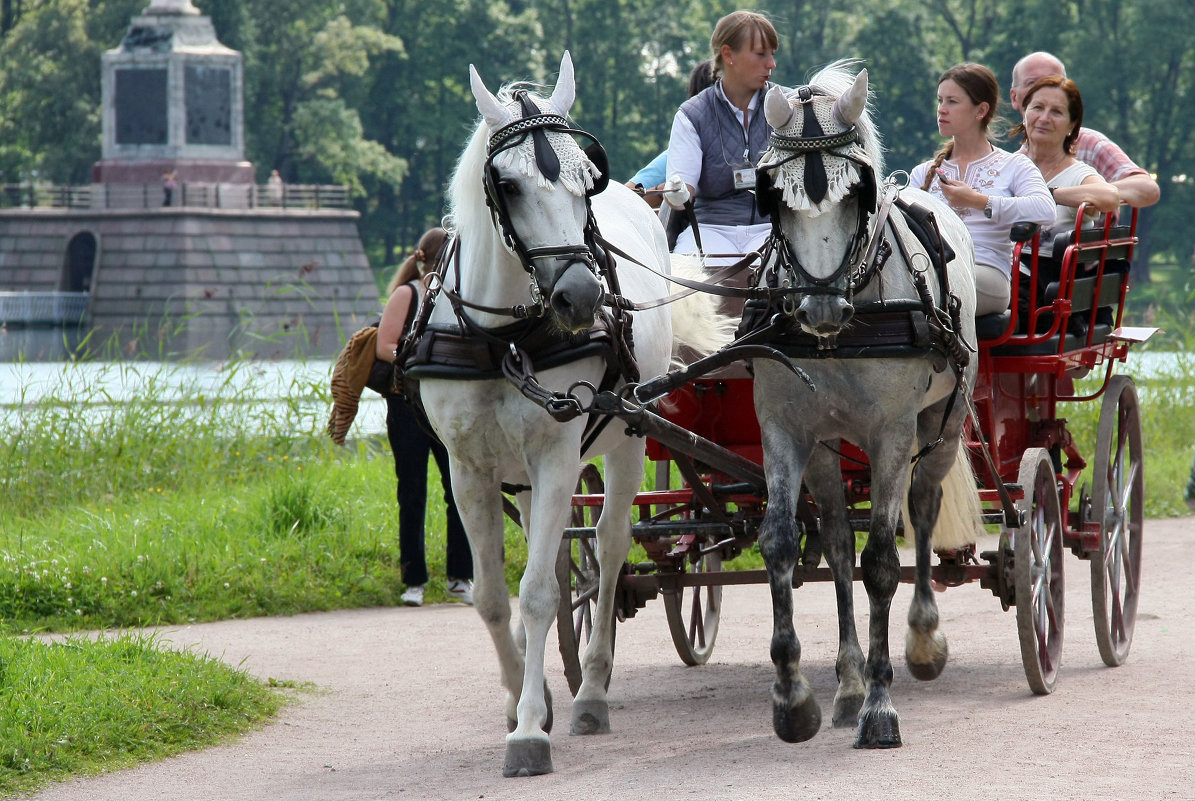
(828, 267)
(532, 246)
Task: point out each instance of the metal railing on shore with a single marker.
(42, 308)
(189, 194)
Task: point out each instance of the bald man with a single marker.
(1137, 187)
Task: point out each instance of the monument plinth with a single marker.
(173, 101)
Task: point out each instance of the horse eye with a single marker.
(509, 187)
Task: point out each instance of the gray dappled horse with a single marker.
(530, 253)
(830, 264)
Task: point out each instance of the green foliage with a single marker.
(374, 93)
(85, 706)
(50, 93)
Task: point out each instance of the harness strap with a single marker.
(711, 285)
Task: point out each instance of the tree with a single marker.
(417, 103)
(50, 93)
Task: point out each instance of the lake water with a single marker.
(297, 388)
(247, 388)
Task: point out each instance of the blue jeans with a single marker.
(411, 446)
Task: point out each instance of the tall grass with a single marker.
(188, 498)
(139, 494)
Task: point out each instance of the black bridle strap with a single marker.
(822, 286)
(545, 156)
(816, 182)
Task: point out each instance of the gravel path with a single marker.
(408, 706)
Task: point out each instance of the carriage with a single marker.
(1028, 463)
(872, 385)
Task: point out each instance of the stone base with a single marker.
(193, 282)
(118, 171)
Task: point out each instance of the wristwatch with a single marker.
(987, 210)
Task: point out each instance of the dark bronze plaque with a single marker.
(141, 107)
(209, 105)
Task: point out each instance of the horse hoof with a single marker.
(878, 730)
(797, 724)
(590, 717)
(846, 711)
(926, 664)
(528, 758)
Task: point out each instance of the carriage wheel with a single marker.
(1037, 571)
(577, 574)
(694, 612)
(1118, 503)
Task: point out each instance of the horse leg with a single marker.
(796, 716)
(528, 749)
(824, 478)
(879, 724)
(476, 495)
(926, 649)
(624, 475)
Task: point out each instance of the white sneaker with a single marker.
(462, 589)
(413, 596)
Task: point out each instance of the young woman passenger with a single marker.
(411, 444)
(989, 188)
(719, 134)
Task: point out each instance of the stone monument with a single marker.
(215, 266)
(173, 101)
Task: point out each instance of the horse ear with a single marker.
(566, 88)
(495, 114)
(776, 109)
(850, 105)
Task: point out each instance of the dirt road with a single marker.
(408, 706)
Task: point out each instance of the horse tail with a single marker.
(960, 518)
(697, 324)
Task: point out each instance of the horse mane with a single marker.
(466, 192)
(835, 79)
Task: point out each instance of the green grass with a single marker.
(83, 706)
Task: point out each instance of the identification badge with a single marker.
(744, 178)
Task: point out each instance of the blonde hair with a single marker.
(425, 254)
(739, 29)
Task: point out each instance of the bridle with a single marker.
(854, 270)
(538, 125)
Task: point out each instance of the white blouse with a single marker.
(1018, 194)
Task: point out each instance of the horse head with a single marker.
(817, 180)
(538, 181)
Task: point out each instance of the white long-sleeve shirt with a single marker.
(1018, 194)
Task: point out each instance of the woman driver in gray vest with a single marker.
(719, 135)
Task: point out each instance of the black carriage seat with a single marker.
(1094, 297)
